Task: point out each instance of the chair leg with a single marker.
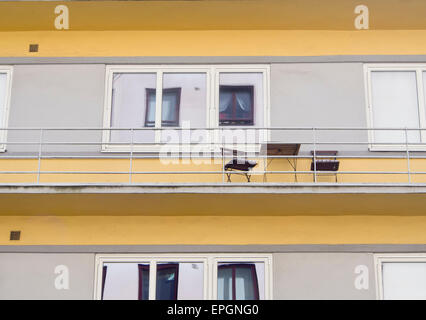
(229, 177)
(248, 177)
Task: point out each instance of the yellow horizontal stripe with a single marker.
(213, 14)
(107, 230)
(212, 43)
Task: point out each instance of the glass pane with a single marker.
(224, 283)
(170, 107)
(395, 105)
(236, 105)
(246, 283)
(150, 112)
(241, 99)
(167, 281)
(184, 105)
(133, 105)
(3, 78)
(424, 92)
(404, 280)
(180, 281)
(240, 281)
(189, 91)
(143, 291)
(126, 281)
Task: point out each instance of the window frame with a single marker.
(212, 98)
(379, 259)
(210, 265)
(8, 70)
(418, 69)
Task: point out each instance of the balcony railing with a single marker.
(195, 155)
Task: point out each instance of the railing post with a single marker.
(315, 154)
(408, 156)
(39, 155)
(265, 156)
(131, 155)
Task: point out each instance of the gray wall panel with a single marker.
(290, 248)
(32, 276)
(319, 95)
(321, 276)
(56, 96)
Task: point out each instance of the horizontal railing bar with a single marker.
(240, 144)
(209, 128)
(213, 172)
(197, 156)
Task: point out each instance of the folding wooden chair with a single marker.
(239, 163)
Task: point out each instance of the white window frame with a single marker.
(8, 70)
(210, 262)
(419, 69)
(379, 259)
(212, 97)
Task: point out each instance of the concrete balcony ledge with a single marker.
(217, 188)
(230, 199)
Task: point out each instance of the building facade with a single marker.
(212, 150)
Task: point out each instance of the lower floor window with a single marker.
(195, 277)
(402, 277)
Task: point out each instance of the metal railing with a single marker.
(368, 155)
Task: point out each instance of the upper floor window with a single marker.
(148, 98)
(5, 89)
(396, 105)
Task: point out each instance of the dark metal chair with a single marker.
(327, 162)
(238, 163)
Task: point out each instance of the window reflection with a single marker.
(143, 289)
(240, 281)
(174, 281)
(180, 281)
(125, 281)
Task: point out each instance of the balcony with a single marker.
(183, 156)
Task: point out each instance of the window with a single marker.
(183, 277)
(236, 105)
(401, 276)
(5, 89)
(142, 99)
(241, 97)
(396, 100)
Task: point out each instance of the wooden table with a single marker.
(280, 149)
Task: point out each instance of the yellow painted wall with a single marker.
(154, 230)
(213, 14)
(212, 43)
